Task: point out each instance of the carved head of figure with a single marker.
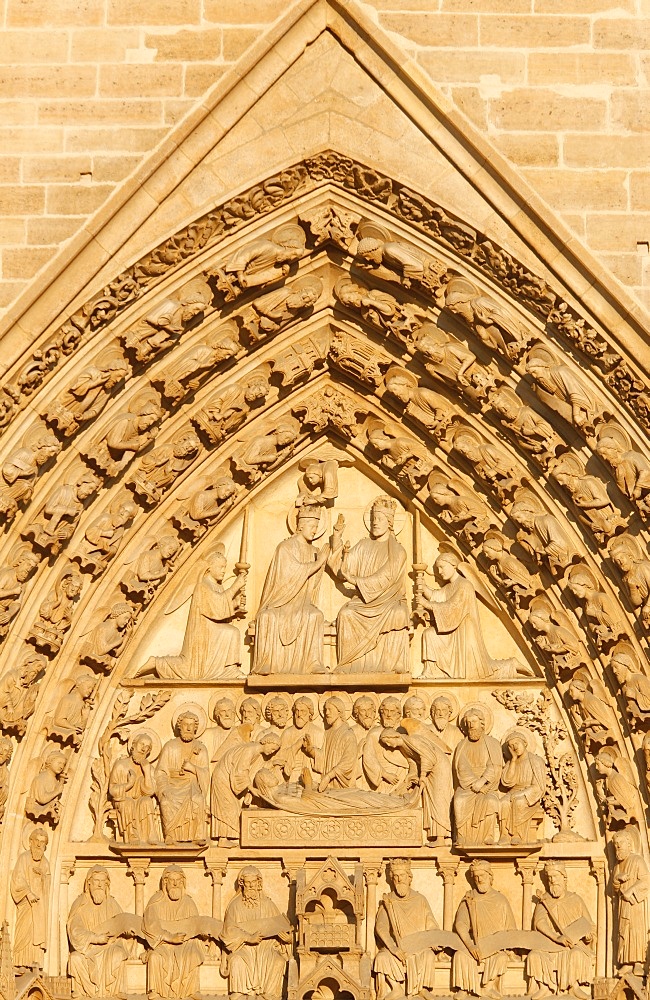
(623, 844)
(249, 884)
(390, 713)
(370, 249)
(441, 712)
(605, 761)
(217, 562)
(172, 882)
(382, 516)
(194, 297)
(37, 843)
(446, 566)
(474, 723)
(303, 712)
(269, 744)
(121, 615)
(224, 487)
(45, 446)
(168, 546)
(400, 876)
(85, 685)
(224, 713)
(468, 445)
(364, 712)
(141, 747)
(6, 750)
(481, 877)
(556, 878)
(187, 446)
(624, 661)
(97, 885)
(123, 512)
(516, 742)
(71, 585)
(333, 711)
(401, 383)
(286, 431)
(308, 521)
(25, 564)
(577, 689)
(56, 763)
(493, 546)
(187, 725)
(523, 514)
(256, 386)
(31, 668)
(277, 712)
(414, 708)
(250, 712)
(624, 552)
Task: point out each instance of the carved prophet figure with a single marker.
(30, 888)
(289, 626)
(564, 919)
(18, 691)
(254, 935)
(400, 971)
(211, 646)
(482, 912)
(631, 885)
(372, 627)
(97, 963)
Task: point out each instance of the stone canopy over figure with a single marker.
(401, 971)
(255, 935)
(372, 628)
(289, 626)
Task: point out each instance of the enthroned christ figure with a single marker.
(289, 626)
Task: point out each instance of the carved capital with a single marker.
(372, 871)
(216, 872)
(526, 868)
(448, 870)
(67, 871)
(138, 869)
(597, 868)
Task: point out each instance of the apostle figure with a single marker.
(385, 768)
(454, 645)
(225, 734)
(255, 934)
(233, 780)
(564, 919)
(372, 627)
(294, 760)
(442, 712)
(482, 912)
(97, 963)
(18, 691)
(69, 719)
(524, 778)
(211, 646)
(477, 765)
(431, 771)
(131, 788)
(364, 715)
(336, 762)
(401, 972)
(30, 889)
(172, 927)
(631, 885)
(182, 783)
(289, 626)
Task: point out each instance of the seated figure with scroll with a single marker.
(97, 927)
(401, 970)
(372, 628)
(562, 917)
(289, 626)
(172, 928)
(255, 938)
(483, 915)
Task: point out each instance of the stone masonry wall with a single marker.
(89, 87)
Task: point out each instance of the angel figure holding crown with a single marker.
(453, 646)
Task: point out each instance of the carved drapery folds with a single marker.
(266, 568)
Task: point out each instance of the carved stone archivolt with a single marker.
(325, 577)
